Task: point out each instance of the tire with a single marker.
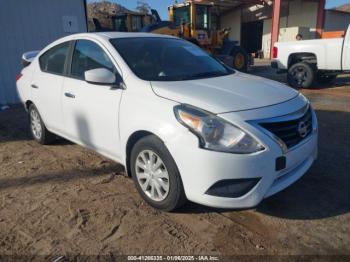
(240, 59)
(325, 78)
(172, 195)
(37, 127)
(301, 75)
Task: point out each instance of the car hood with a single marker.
(230, 93)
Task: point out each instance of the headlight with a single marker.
(215, 133)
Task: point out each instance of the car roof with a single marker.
(112, 35)
(106, 36)
(126, 35)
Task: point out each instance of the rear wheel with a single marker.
(155, 174)
(37, 127)
(301, 75)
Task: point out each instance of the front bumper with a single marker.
(274, 64)
(200, 169)
(277, 65)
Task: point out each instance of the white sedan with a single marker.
(184, 125)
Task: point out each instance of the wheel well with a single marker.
(133, 139)
(28, 103)
(302, 57)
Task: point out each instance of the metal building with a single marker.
(336, 20)
(27, 25)
(258, 24)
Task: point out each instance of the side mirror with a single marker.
(102, 76)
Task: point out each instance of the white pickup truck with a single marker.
(310, 61)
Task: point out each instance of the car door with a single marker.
(90, 111)
(47, 84)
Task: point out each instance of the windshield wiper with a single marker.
(207, 74)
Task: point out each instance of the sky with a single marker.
(162, 5)
(334, 3)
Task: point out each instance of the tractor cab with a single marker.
(197, 21)
(128, 22)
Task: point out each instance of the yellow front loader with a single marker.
(198, 23)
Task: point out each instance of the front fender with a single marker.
(143, 110)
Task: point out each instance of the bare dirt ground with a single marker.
(62, 199)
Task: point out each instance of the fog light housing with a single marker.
(232, 188)
(281, 163)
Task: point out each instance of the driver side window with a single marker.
(88, 55)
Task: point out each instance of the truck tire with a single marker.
(301, 75)
(323, 78)
(240, 59)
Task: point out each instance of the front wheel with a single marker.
(240, 60)
(155, 174)
(301, 75)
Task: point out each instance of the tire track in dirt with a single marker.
(217, 230)
(114, 232)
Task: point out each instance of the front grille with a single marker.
(291, 132)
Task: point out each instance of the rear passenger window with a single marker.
(86, 56)
(53, 60)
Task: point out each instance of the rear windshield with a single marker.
(167, 59)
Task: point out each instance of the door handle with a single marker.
(69, 95)
(34, 86)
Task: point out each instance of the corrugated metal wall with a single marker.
(27, 25)
(336, 21)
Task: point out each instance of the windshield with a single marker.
(182, 15)
(120, 24)
(167, 59)
(202, 19)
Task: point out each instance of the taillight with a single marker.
(18, 77)
(275, 52)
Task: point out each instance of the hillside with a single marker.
(344, 8)
(102, 10)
